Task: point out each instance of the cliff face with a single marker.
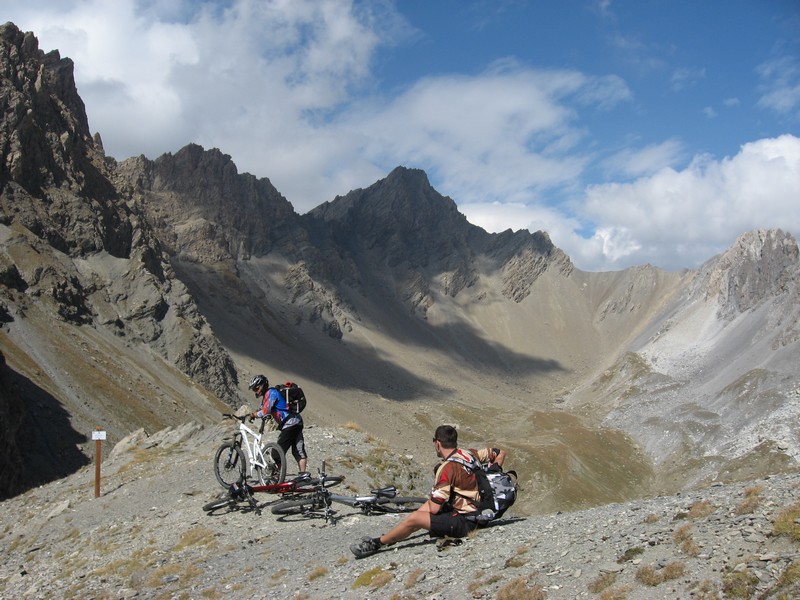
(146, 292)
(72, 251)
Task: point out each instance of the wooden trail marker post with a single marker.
(98, 435)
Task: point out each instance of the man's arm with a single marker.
(500, 457)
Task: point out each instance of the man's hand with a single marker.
(252, 417)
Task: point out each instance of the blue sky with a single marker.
(648, 131)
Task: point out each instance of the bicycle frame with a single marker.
(254, 449)
(244, 492)
(319, 499)
(365, 502)
(251, 442)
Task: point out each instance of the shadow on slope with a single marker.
(291, 341)
(40, 443)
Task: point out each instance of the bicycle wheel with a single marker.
(217, 504)
(298, 506)
(276, 463)
(399, 504)
(274, 471)
(229, 465)
(332, 480)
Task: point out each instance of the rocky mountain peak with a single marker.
(45, 136)
(404, 202)
(761, 264)
(203, 208)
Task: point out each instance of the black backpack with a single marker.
(295, 398)
(497, 489)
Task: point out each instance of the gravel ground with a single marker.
(147, 536)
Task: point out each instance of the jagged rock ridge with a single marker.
(72, 249)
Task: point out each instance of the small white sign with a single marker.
(98, 435)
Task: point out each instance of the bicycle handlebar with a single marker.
(242, 418)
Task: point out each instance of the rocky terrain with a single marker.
(140, 293)
(147, 536)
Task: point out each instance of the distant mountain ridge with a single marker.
(142, 292)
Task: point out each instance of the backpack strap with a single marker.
(473, 466)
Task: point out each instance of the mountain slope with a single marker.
(141, 292)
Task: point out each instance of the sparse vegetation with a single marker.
(787, 587)
(602, 582)
(648, 575)
(700, 509)
(651, 518)
(752, 499)
(474, 586)
(374, 578)
(704, 590)
(317, 573)
(197, 536)
(651, 576)
(684, 538)
(788, 522)
(414, 577)
(630, 554)
(739, 584)
(518, 589)
(619, 592)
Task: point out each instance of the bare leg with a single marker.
(419, 519)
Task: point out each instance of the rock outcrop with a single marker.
(69, 243)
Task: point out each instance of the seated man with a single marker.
(454, 496)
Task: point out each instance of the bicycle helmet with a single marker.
(258, 381)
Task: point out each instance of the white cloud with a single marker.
(632, 162)
(683, 78)
(677, 218)
(781, 85)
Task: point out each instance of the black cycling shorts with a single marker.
(291, 440)
(448, 524)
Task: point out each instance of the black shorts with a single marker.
(291, 440)
(451, 525)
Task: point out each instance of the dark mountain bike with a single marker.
(317, 502)
(241, 494)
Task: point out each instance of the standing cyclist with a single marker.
(290, 424)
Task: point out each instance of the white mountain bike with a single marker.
(265, 463)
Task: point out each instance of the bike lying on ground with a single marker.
(318, 501)
(265, 462)
(243, 493)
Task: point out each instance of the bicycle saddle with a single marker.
(387, 492)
